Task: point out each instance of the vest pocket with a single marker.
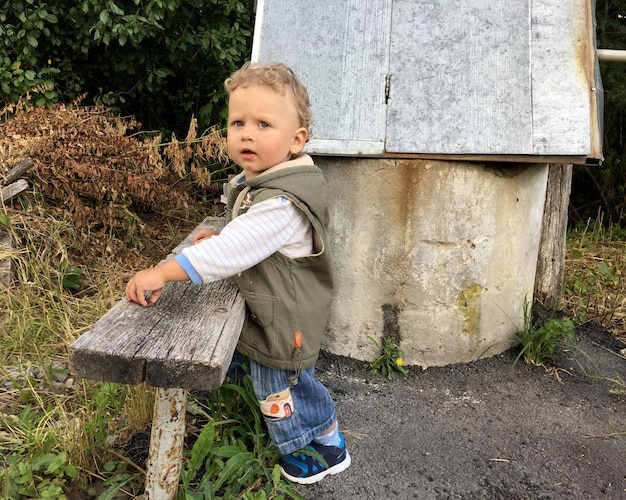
(262, 309)
(263, 312)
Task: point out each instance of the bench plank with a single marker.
(186, 340)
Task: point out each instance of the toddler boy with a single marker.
(274, 248)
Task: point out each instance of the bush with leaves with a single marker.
(160, 60)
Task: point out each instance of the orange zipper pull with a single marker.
(297, 358)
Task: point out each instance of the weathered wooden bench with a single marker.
(184, 342)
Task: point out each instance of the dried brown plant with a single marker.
(88, 164)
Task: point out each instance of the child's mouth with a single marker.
(247, 153)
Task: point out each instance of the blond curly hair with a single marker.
(277, 76)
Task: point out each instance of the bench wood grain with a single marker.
(186, 340)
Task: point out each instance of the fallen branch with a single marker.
(18, 171)
(12, 190)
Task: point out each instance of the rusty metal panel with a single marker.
(562, 78)
(340, 51)
(460, 80)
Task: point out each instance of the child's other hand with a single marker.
(149, 281)
(203, 234)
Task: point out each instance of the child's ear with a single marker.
(299, 140)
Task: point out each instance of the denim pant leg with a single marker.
(237, 368)
(313, 410)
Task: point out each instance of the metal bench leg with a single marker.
(166, 444)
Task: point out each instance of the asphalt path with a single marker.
(491, 429)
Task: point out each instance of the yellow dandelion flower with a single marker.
(399, 361)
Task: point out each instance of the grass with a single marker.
(595, 285)
(50, 425)
(541, 343)
(594, 290)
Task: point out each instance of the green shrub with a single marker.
(161, 60)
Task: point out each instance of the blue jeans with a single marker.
(303, 411)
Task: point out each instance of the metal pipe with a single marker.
(611, 55)
(166, 444)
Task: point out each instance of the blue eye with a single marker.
(263, 124)
(237, 123)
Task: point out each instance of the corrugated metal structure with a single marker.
(504, 80)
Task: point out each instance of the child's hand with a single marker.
(147, 281)
(203, 234)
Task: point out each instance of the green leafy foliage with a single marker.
(233, 457)
(34, 469)
(5, 220)
(70, 275)
(43, 477)
(161, 60)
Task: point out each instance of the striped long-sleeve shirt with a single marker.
(274, 225)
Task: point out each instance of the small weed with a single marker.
(539, 344)
(391, 358)
(619, 385)
(43, 475)
(70, 275)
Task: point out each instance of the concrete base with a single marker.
(440, 256)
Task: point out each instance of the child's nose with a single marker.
(246, 133)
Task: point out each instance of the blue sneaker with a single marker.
(305, 468)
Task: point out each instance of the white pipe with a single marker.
(611, 55)
(256, 37)
(166, 444)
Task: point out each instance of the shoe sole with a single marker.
(336, 469)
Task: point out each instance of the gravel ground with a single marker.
(490, 429)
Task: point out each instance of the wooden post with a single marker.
(18, 170)
(551, 260)
(166, 444)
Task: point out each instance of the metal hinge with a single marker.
(387, 87)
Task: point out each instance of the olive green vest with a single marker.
(286, 295)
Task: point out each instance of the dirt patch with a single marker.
(490, 429)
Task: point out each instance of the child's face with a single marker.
(263, 128)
